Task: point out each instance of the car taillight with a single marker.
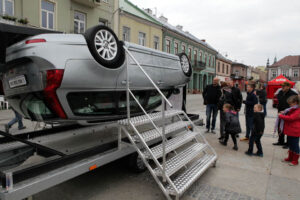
(54, 79)
(35, 41)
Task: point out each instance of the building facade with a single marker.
(223, 68)
(69, 16)
(288, 66)
(136, 26)
(239, 75)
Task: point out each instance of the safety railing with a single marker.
(164, 101)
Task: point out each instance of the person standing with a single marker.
(257, 131)
(17, 119)
(282, 97)
(262, 94)
(226, 98)
(211, 96)
(237, 97)
(251, 100)
(290, 123)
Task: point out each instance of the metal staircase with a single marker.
(181, 154)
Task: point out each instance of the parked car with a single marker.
(73, 77)
(275, 100)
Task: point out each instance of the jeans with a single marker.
(249, 125)
(255, 138)
(222, 123)
(211, 109)
(293, 143)
(18, 118)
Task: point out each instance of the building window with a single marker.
(168, 46)
(296, 73)
(205, 55)
(218, 66)
(285, 73)
(209, 60)
(47, 14)
(274, 73)
(237, 73)
(183, 48)
(7, 7)
(156, 42)
(190, 53)
(142, 39)
(223, 68)
(176, 48)
(126, 34)
(103, 22)
(227, 69)
(79, 22)
(195, 57)
(200, 55)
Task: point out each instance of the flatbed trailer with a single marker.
(35, 161)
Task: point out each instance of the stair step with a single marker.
(185, 180)
(181, 159)
(172, 144)
(143, 119)
(153, 134)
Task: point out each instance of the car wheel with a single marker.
(185, 64)
(136, 163)
(105, 47)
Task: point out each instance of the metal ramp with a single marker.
(181, 155)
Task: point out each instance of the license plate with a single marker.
(17, 81)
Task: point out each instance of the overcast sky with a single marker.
(249, 31)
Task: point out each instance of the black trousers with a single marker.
(281, 138)
(255, 138)
(232, 136)
(222, 123)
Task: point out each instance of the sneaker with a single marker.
(22, 128)
(223, 143)
(259, 154)
(244, 139)
(213, 132)
(248, 153)
(235, 147)
(207, 131)
(285, 147)
(6, 128)
(278, 144)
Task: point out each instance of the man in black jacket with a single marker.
(237, 97)
(282, 97)
(211, 96)
(251, 100)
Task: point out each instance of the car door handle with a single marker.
(125, 82)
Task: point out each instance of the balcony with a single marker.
(89, 3)
(199, 65)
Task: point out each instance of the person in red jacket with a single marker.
(291, 125)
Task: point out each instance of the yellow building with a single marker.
(136, 26)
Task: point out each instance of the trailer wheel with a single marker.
(185, 64)
(136, 163)
(105, 47)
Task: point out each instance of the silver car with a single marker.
(72, 77)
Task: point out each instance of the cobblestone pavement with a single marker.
(236, 176)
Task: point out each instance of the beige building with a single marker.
(136, 26)
(223, 68)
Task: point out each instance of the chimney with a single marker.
(164, 19)
(203, 40)
(179, 27)
(149, 11)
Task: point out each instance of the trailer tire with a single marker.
(105, 46)
(185, 64)
(136, 163)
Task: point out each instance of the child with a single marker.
(291, 127)
(257, 131)
(232, 125)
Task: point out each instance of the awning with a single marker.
(279, 80)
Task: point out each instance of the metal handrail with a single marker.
(164, 100)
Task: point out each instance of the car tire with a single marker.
(136, 163)
(105, 47)
(185, 64)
